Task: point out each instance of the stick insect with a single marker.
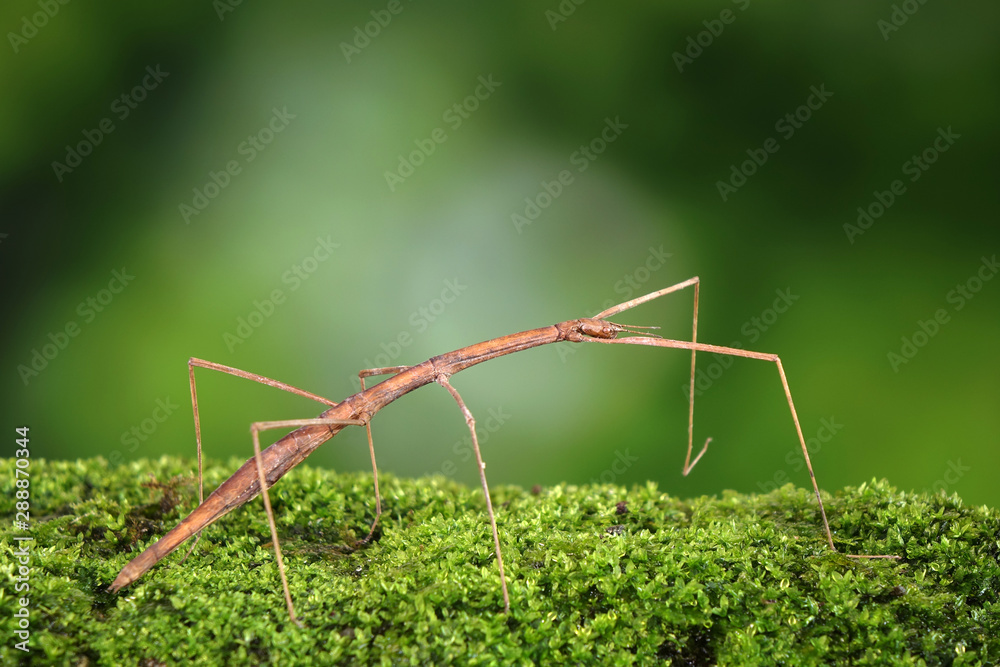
(265, 468)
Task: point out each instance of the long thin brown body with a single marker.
(290, 450)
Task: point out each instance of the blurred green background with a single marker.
(309, 107)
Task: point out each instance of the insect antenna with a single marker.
(636, 329)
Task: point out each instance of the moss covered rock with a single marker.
(597, 574)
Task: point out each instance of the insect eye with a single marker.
(593, 328)
(598, 328)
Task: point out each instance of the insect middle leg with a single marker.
(362, 374)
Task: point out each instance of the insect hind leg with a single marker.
(193, 363)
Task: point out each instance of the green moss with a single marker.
(736, 580)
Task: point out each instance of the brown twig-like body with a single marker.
(286, 453)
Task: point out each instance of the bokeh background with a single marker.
(437, 258)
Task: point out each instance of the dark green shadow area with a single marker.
(730, 581)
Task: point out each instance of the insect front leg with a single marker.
(748, 354)
(632, 303)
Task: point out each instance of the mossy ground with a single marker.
(741, 580)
